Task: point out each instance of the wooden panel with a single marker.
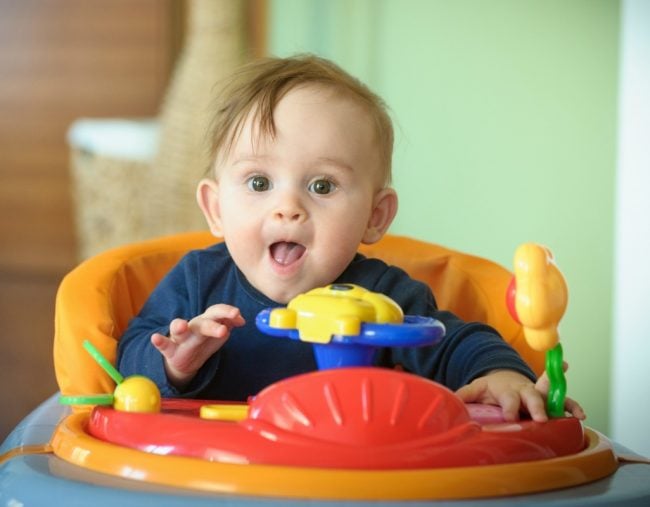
(59, 61)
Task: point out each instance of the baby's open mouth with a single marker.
(286, 252)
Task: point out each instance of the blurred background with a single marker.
(517, 120)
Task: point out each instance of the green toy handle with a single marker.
(92, 399)
(103, 362)
(557, 382)
(95, 399)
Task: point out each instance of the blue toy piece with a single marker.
(347, 324)
(360, 350)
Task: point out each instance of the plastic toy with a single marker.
(353, 418)
(133, 394)
(347, 324)
(362, 420)
(537, 298)
(341, 433)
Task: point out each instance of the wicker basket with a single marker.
(119, 200)
(107, 196)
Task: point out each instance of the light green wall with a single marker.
(506, 127)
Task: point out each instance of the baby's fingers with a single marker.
(510, 403)
(534, 403)
(543, 383)
(210, 328)
(165, 345)
(473, 392)
(574, 408)
(178, 333)
(179, 330)
(225, 314)
(161, 342)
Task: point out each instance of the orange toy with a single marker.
(97, 299)
(537, 298)
(538, 295)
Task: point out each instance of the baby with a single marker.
(301, 177)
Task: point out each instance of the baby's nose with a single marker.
(290, 208)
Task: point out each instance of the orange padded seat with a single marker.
(97, 299)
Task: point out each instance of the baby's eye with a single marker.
(259, 184)
(322, 187)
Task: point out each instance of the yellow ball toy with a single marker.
(137, 394)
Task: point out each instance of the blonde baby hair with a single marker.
(258, 87)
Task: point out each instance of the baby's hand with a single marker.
(513, 391)
(570, 405)
(191, 343)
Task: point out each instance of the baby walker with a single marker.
(348, 431)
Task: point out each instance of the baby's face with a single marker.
(293, 209)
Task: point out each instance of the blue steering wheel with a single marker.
(360, 349)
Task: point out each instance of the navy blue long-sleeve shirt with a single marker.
(250, 360)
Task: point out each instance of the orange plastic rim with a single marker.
(71, 443)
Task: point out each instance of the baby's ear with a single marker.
(207, 195)
(383, 212)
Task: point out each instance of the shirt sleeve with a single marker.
(174, 297)
(468, 350)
